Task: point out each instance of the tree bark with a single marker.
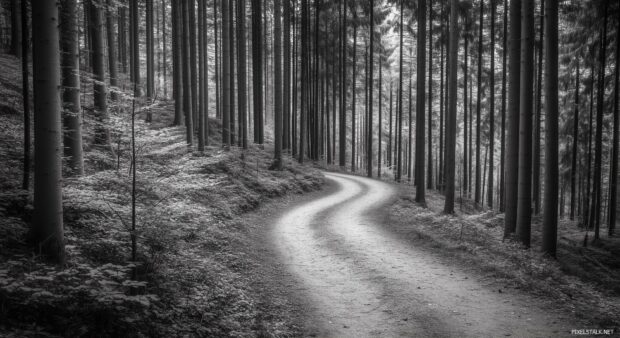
(550, 217)
(47, 224)
(112, 58)
(72, 112)
(524, 204)
(16, 28)
(187, 74)
(512, 130)
(102, 133)
(26, 98)
(490, 192)
(277, 81)
(478, 187)
(573, 172)
(420, 102)
(451, 118)
(502, 169)
(613, 186)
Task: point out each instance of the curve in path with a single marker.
(364, 281)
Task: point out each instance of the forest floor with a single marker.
(193, 265)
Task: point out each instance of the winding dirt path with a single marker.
(361, 280)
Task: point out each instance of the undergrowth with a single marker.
(191, 276)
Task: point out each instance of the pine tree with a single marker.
(550, 218)
(524, 213)
(72, 114)
(451, 118)
(102, 133)
(47, 223)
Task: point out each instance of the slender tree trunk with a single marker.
(102, 133)
(399, 127)
(466, 149)
(286, 70)
(226, 58)
(16, 28)
(502, 169)
(389, 147)
(492, 112)
(420, 102)
(231, 65)
(451, 120)
(370, 89)
(512, 131)
(177, 62)
(524, 206)
(201, 78)
(47, 223)
(478, 187)
(573, 172)
(122, 37)
(354, 90)
(277, 81)
(598, 149)
(193, 59)
(380, 136)
(187, 74)
(76, 163)
(165, 47)
(550, 217)
(218, 57)
(429, 184)
(150, 57)
(72, 114)
(241, 76)
(257, 70)
(537, 122)
(112, 58)
(135, 47)
(613, 186)
(342, 139)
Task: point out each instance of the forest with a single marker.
(337, 168)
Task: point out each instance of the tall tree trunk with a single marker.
(595, 207)
(524, 205)
(277, 81)
(218, 57)
(613, 185)
(26, 97)
(420, 101)
(342, 139)
(537, 122)
(226, 58)
(573, 171)
(389, 146)
(399, 125)
(102, 133)
(440, 173)
(165, 47)
(286, 73)
(122, 37)
(512, 131)
(492, 112)
(193, 59)
(502, 169)
(16, 28)
(47, 226)
(429, 184)
(150, 57)
(466, 150)
(187, 74)
(380, 136)
(354, 90)
(478, 187)
(451, 118)
(72, 114)
(112, 58)
(550, 217)
(241, 76)
(257, 70)
(371, 63)
(177, 62)
(202, 109)
(231, 65)
(135, 47)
